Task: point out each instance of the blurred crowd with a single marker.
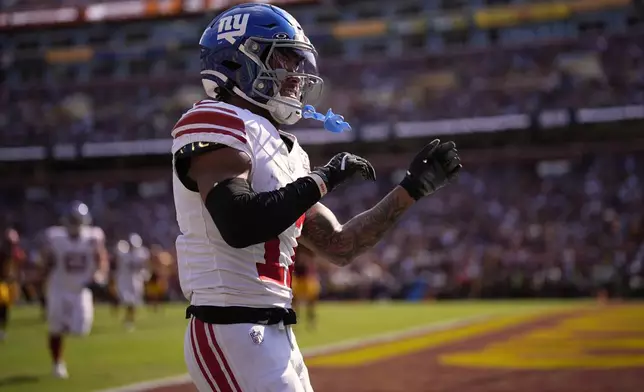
(592, 72)
(15, 5)
(560, 228)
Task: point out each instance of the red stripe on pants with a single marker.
(196, 351)
(210, 358)
(223, 358)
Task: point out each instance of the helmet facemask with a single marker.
(287, 77)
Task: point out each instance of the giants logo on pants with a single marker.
(223, 358)
(257, 334)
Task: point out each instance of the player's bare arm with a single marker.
(434, 167)
(341, 243)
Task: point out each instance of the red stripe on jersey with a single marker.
(213, 117)
(205, 101)
(212, 103)
(272, 269)
(211, 130)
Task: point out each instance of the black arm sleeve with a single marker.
(245, 217)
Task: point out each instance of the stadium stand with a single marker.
(524, 230)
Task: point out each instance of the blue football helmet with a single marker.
(259, 52)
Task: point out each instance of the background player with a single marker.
(244, 193)
(160, 265)
(112, 291)
(12, 257)
(76, 259)
(132, 259)
(305, 284)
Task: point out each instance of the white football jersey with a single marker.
(210, 271)
(131, 266)
(74, 258)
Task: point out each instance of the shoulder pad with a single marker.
(212, 122)
(55, 232)
(210, 117)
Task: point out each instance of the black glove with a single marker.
(344, 166)
(435, 166)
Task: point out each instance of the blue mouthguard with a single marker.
(332, 122)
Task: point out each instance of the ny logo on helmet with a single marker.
(232, 27)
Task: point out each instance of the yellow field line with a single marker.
(406, 346)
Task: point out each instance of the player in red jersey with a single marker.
(306, 284)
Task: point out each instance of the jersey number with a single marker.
(272, 269)
(75, 262)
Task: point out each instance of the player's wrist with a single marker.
(321, 181)
(403, 195)
(413, 188)
(322, 178)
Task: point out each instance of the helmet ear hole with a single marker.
(231, 65)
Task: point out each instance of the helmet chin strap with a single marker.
(285, 113)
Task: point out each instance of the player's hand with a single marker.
(344, 166)
(435, 166)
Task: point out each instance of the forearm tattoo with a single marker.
(340, 244)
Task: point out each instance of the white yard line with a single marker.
(322, 350)
(390, 336)
(152, 384)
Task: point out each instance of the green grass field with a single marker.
(111, 357)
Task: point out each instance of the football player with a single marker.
(76, 259)
(305, 284)
(131, 259)
(156, 286)
(245, 197)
